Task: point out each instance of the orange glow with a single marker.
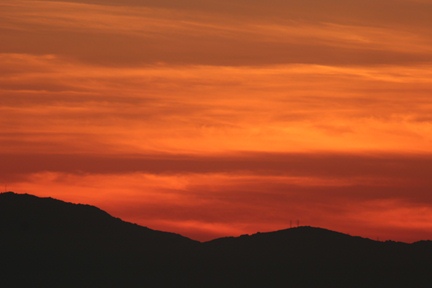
(211, 119)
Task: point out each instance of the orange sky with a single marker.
(212, 119)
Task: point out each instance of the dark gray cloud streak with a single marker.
(332, 165)
(354, 11)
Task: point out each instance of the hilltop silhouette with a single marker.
(51, 243)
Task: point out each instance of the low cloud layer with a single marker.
(204, 197)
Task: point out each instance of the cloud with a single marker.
(403, 12)
(49, 101)
(409, 167)
(215, 117)
(214, 34)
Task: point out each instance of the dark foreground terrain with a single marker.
(49, 243)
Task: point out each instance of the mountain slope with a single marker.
(58, 244)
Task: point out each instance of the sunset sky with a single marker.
(213, 118)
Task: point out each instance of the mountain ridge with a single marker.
(81, 206)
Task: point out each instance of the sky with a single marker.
(221, 118)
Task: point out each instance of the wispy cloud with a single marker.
(218, 108)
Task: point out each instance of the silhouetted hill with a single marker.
(52, 243)
(315, 257)
(49, 243)
(28, 214)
